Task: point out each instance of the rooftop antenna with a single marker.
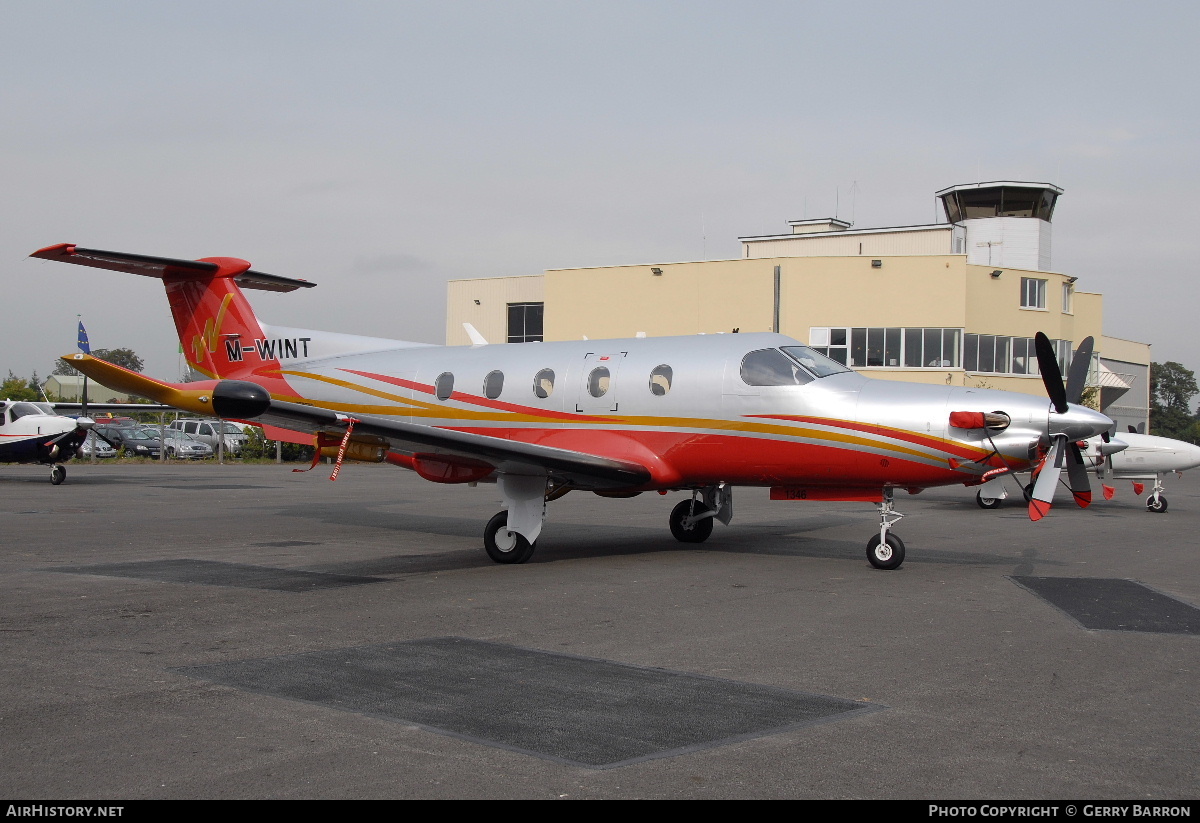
(837, 201)
(853, 200)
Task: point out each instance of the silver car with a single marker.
(92, 443)
(185, 446)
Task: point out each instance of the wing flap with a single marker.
(507, 456)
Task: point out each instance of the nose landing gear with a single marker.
(885, 550)
(58, 473)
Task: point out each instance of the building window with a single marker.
(995, 354)
(890, 348)
(1033, 293)
(525, 322)
(1067, 291)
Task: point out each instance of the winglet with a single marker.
(477, 339)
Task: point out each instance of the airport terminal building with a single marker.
(956, 302)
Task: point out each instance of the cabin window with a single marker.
(493, 384)
(543, 383)
(443, 387)
(771, 367)
(598, 381)
(660, 380)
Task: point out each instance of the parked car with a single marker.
(210, 432)
(133, 442)
(101, 448)
(185, 446)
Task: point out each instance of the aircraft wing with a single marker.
(508, 456)
(112, 407)
(239, 400)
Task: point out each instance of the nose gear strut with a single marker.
(885, 550)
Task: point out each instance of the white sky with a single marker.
(380, 149)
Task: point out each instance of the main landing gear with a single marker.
(504, 546)
(58, 473)
(885, 550)
(692, 520)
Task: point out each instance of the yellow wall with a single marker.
(688, 298)
(490, 317)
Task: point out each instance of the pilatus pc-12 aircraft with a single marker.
(699, 414)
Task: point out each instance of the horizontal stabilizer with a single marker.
(194, 397)
(167, 268)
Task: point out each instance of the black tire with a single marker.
(1158, 507)
(697, 532)
(987, 502)
(886, 557)
(171, 453)
(1029, 492)
(58, 474)
(504, 546)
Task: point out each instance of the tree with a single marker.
(125, 358)
(18, 388)
(1172, 388)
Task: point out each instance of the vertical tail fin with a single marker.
(215, 323)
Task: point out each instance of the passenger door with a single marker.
(598, 387)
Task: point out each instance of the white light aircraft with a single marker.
(34, 432)
(699, 414)
(1135, 457)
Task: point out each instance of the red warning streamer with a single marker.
(337, 467)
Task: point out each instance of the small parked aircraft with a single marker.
(1135, 457)
(35, 433)
(698, 414)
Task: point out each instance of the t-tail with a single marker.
(220, 336)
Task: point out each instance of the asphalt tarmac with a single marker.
(201, 631)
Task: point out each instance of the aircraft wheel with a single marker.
(886, 556)
(504, 546)
(1029, 492)
(1157, 506)
(697, 532)
(58, 474)
(987, 502)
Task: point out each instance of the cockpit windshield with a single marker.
(815, 362)
(769, 367)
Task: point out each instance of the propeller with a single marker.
(1065, 428)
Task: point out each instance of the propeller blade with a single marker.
(1047, 481)
(1077, 376)
(1051, 373)
(1077, 477)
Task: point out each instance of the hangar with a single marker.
(955, 302)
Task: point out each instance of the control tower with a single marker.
(1005, 223)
